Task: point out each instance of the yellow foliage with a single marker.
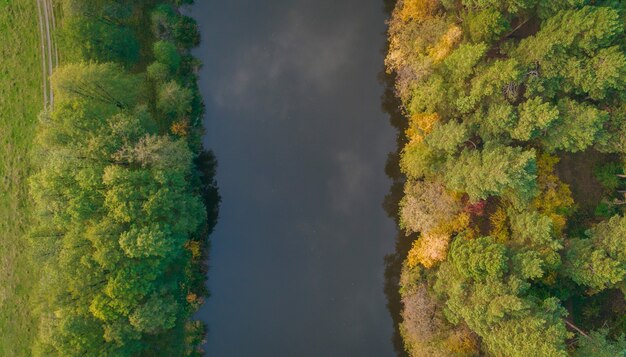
(418, 9)
(421, 125)
(181, 127)
(555, 196)
(191, 298)
(458, 224)
(499, 227)
(430, 249)
(446, 43)
(194, 248)
(462, 342)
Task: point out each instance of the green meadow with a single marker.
(21, 100)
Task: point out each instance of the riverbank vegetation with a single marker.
(514, 164)
(20, 100)
(124, 193)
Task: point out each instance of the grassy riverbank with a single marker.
(20, 101)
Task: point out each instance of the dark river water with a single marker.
(294, 117)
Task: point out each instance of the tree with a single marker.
(577, 129)
(448, 137)
(426, 206)
(599, 261)
(479, 288)
(535, 116)
(186, 32)
(598, 345)
(173, 100)
(106, 87)
(574, 44)
(88, 40)
(486, 25)
(166, 52)
(426, 332)
(160, 152)
(418, 160)
(493, 171)
(429, 249)
(158, 313)
(495, 92)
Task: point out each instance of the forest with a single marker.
(513, 158)
(123, 189)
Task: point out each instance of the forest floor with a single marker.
(21, 98)
(577, 171)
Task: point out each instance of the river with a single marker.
(294, 117)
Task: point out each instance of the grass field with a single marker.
(20, 101)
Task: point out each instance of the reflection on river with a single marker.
(294, 118)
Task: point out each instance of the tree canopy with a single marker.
(124, 202)
(508, 106)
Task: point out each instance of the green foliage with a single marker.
(448, 137)
(165, 52)
(106, 86)
(535, 116)
(598, 345)
(479, 259)
(158, 72)
(577, 129)
(121, 217)
(496, 91)
(574, 51)
(607, 173)
(174, 100)
(494, 171)
(479, 289)
(88, 40)
(124, 197)
(486, 25)
(186, 32)
(417, 160)
(599, 261)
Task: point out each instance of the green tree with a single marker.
(166, 52)
(577, 129)
(448, 137)
(599, 261)
(479, 288)
(494, 171)
(106, 87)
(102, 41)
(535, 117)
(486, 25)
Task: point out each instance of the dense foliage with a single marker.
(514, 159)
(124, 192)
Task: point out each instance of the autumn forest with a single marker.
(424, 178)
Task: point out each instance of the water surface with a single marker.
(294, 118)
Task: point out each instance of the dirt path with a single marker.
(49, 53)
